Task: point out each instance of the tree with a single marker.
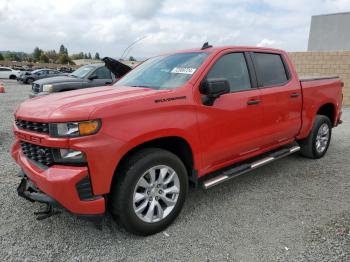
(89, 56)
(62, 50)
(63, 58)
(86, 56)
(44, 58)
(12, 56)
(51, 55)
(1, 57)
(36, 54)
(97, 56)
(77, 56)
(131, 58)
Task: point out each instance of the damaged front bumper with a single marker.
(60, 186)
(29, 191)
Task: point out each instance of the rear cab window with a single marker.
(271, 69)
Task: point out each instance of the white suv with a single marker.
(9, 73)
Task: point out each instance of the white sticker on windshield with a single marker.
(183, 70)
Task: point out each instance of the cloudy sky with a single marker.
(109, 26)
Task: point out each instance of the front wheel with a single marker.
(317, 143)
(149, 192)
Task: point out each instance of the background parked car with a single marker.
(66, 69)
(9, 73)
(86, 76)
(30, 77)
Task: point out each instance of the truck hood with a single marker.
(59, 79)
(79, 104)
(117, 68)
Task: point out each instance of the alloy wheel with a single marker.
(156, 193)
(322, 138)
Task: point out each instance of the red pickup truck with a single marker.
(197, 117)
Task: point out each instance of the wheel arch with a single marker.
(328, 110)
(175, 144)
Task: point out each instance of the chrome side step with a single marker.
(244, 168)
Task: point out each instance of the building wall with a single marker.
(325, 64)
(330, 32)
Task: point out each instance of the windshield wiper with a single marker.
(141, 86)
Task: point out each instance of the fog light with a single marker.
(65, 155)
(71, 154)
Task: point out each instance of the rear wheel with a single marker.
(317, 143)
(149, 192)
(12, 77)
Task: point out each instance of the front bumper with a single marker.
(57, 184)
(29, 191)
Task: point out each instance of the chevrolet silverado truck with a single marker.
(196, 117)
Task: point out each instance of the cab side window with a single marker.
(233, 68)
(271, 69)
(103, 73)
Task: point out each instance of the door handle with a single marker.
(294, 95)
(253, 102)
(107, 83)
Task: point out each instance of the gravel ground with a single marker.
(294, 209)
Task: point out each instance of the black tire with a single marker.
(122, 191)
(30, 81)
(12, 77)
(308, 145)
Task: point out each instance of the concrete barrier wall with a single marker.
(325, 63)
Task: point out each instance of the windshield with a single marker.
(82, 71)
(36, 71)
(164, 72)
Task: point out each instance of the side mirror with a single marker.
(93, 77)
(213, 88)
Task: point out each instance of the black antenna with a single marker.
(206, 45)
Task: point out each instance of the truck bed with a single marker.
(319, 90)
(312, 78)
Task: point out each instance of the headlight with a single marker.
(75, 129)
(64, 156)
(47, 88)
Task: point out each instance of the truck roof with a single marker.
(220, 48)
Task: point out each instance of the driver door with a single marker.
(229, 129)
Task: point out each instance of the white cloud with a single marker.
(109, 26)
(269, 43)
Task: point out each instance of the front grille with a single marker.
(32, 126)
(36, 88)
(37, 153)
